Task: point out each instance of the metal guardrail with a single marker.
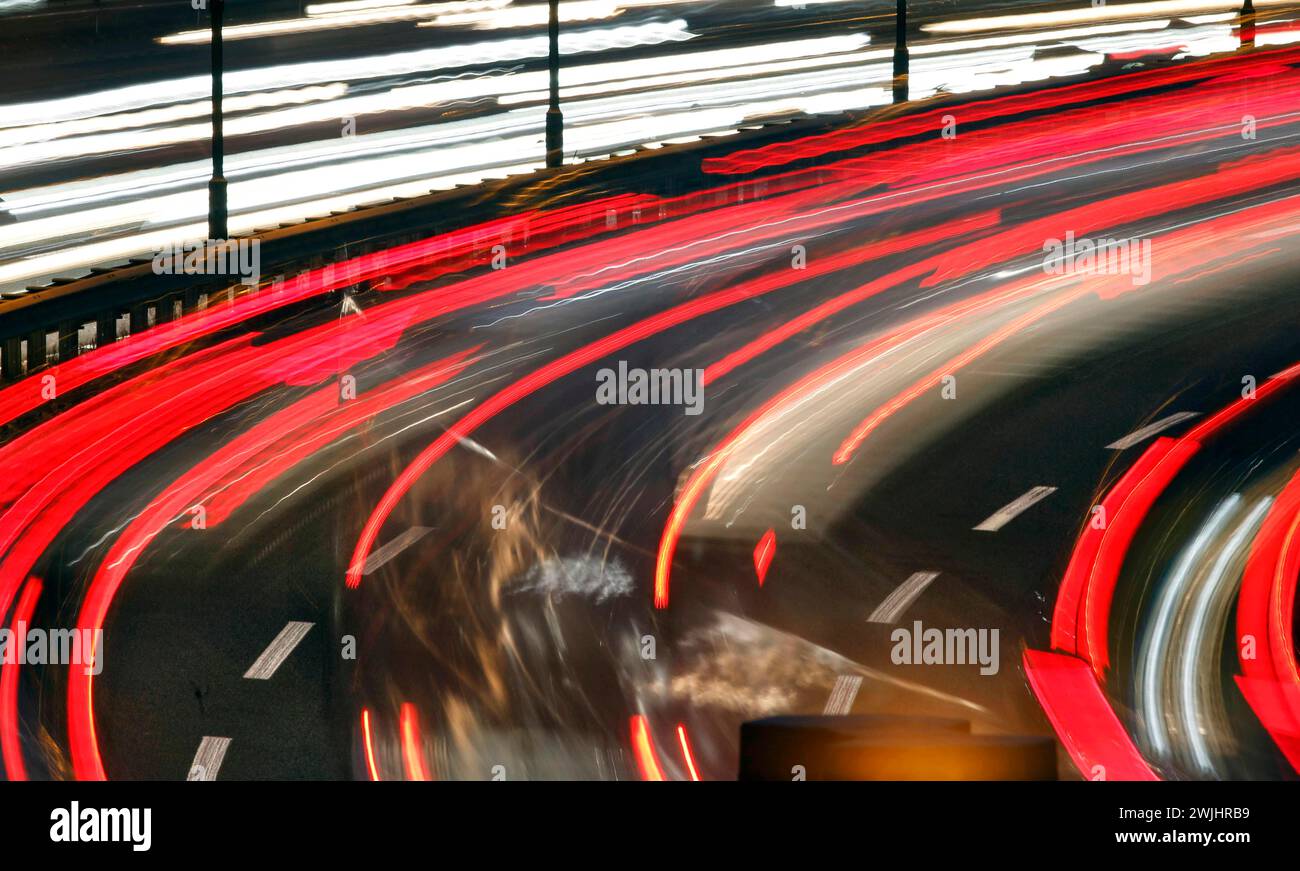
(117, 301)
(113, 302)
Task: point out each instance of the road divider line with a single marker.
(898, 601)
(278, 650)
(390, 550)
(1012, 510)
(208, 759)
(1151, 429)
(842, 696)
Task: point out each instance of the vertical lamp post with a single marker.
(1248, 24)
(217, 185)
(901, 60)
(554, 117)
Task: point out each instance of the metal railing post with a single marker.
(902, 61)
(1247, 24)
(217, 204)
(554, 117)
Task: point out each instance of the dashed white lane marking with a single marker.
(1012, 510)
(1151, 429)
(207, 762)
(842, 696)
(896, 602)
(278, 651)
(393, 548)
